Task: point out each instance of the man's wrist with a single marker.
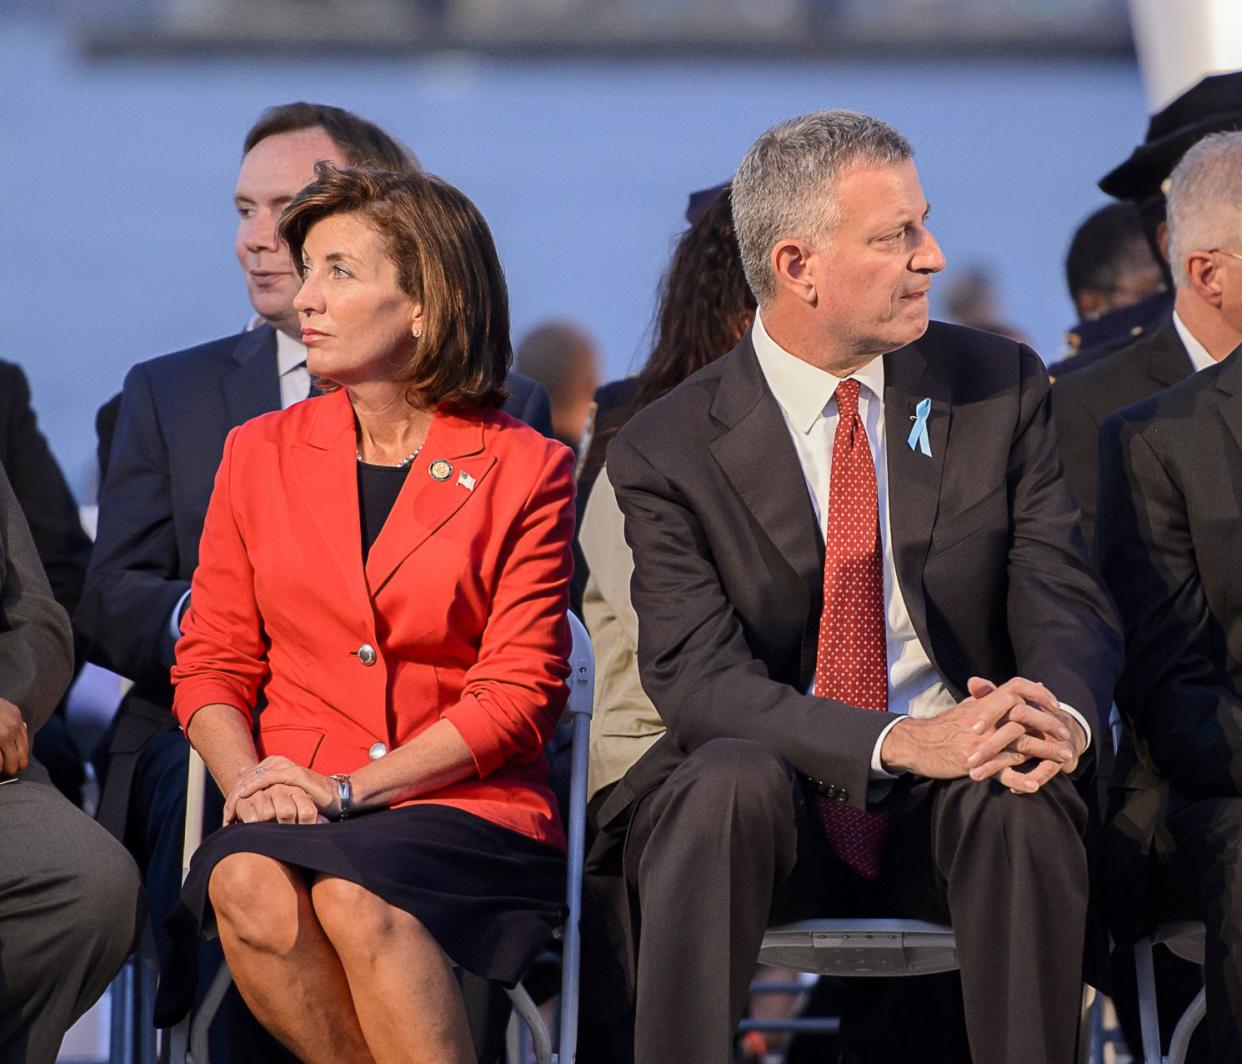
(895, 750)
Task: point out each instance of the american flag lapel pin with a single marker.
(466, 480)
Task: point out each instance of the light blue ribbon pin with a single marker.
(918, 434)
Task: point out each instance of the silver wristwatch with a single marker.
(345, 794)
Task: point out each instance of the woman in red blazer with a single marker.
(375, 650)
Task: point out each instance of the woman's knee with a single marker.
(257, 898)
(358, 921)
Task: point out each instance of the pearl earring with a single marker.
(417, 333)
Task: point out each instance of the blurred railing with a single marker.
(885, 28)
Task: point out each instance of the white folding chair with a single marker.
(870, 948)
(188, 1039)
(1187, 940)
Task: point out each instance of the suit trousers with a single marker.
(70, 911)
(729, 845)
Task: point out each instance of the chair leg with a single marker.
(1086, 1025)
(529, 1011)
(1191, 1019)
(1149, 1017)
(200, 1020)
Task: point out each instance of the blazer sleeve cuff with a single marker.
(479, 733)
(193, 695)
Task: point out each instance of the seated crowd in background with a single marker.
(856, 646)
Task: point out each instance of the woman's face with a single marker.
(357, 323)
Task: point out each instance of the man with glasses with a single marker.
(1169, 538)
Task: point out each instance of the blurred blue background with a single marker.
(120, 138)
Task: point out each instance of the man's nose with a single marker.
(929, 258)
(260, 232)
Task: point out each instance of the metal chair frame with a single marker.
(1187, 940)
(188, 1040)
(873, 948)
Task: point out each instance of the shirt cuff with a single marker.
(174, 622)
(1082, 722)
(878, 771)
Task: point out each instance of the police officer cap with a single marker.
(1214, 105)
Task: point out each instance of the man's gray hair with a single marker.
(784, 187)
(1205, 200)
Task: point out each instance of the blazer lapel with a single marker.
(327, 474)
(759, 460)
(913, 477)
(454, 448)
(253, 386)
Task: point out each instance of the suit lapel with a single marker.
(253, 386)
(1229, 383)
(759, 460)
(427, 501)
(913, 477)
(1167, 359)
(327, 474)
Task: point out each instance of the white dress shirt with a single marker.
(806, 396)
(1200, 358)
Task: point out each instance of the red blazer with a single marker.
(459, 612)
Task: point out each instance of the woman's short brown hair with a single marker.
(445, 260)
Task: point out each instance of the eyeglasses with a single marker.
(1225, 251)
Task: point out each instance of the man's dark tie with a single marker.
(852, 661)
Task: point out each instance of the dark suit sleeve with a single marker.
(130, 595)
(1062, 625)
(105, 432)
(1187, 720)
(528, 401)
(696, 665)
(36, 642)
(46, 501)
(1077, 439)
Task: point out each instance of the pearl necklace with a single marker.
(400, 465)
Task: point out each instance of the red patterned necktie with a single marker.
(851, 664)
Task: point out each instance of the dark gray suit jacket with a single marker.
(729, 559)
(36, 642)
(1170, 540)
(1082, 400)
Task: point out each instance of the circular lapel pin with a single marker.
(441, 469)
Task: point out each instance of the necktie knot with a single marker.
(847, 398)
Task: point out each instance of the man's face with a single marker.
(272, 173)
(872, 270)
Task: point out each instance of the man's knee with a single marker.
(734, 780)
(1052, 820)
(257, 899)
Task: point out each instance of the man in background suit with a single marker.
(1203, 328)
(837, 739)
(170, 426)
(64, 548)
(69, 893)
(1169, 539)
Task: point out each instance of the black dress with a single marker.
(491, 897)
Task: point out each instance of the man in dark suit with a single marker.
(1202, 329)
(170, 425)
(851, 545)
(69, 894)
(1168, 537)
(64, 548)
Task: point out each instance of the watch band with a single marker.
(345, 795)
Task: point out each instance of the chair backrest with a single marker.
(581, 698)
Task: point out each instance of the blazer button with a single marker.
(377, 751)
(843, 796)
(366, 654)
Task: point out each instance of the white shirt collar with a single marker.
(289, 353)
(802, 390)
(1199, 356)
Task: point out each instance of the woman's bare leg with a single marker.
(408, 1002)
(283, 964)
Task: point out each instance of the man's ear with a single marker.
(1204, 279)
(793, 263)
